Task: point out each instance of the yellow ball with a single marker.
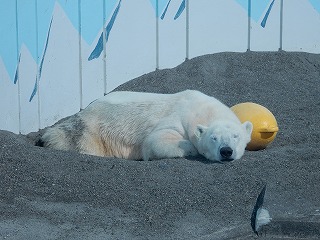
(265, 126)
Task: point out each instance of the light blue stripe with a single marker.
(27, 26)
(8, 50)
(264, 21)
(45, 12)
(165, 10)
(258, 7)
(161, 6)
(99, 47)
(16, 75)
(45, 50)
(97, 50)
(315, 4)
(35, 88)
(112, 20)
(91, 19)
(180, 10)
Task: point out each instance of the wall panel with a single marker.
(301, 31)
(92, 71)
(9, 104)
(131, 47)
(172, 34)
(60, 73)
(217, 26)
(265, 31)
(27, 70)
(57, 56)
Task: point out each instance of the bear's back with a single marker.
(124, 97)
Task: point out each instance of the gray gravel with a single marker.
(48, 194)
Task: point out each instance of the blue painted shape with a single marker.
(27, 26)
(34, 91)
(258, 7)
(161, 6)
(35, 88)
(8, 36)
(165, 10)
(112, 20)
(27, 16)
(97, 50)
(44, 19)
(45, 50)
(315, 4)
(71, 8)
(180, 10)
(91, 19)
(99, 47)
(243, 3)
(16, 75)
(264, 20)
(91, 15)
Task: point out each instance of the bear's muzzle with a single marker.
(226, 153)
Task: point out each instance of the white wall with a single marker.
(75, 51)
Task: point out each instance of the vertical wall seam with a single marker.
(18, 61)
(104, 49)
(187, 29)
(157, 34)
(281, 24)
(37, 75)
(80, 56)
(249, 25)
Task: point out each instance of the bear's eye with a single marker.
(235, 135)
(213, 138)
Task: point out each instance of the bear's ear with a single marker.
(200, 130)
(248, 127)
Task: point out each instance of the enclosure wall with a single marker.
(57, 56)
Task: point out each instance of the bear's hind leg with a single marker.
(167, 143)
(92, 144)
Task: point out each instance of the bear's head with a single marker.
(223, 140)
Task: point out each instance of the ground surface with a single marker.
(47, 194)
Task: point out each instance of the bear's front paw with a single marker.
(188, 148)
(193, 152)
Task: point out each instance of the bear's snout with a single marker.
(226, 153)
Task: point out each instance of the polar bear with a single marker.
(135, 125)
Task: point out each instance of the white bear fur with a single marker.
(134, 125)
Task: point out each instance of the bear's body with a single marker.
(136, 125)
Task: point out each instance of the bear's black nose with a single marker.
(226, 152)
